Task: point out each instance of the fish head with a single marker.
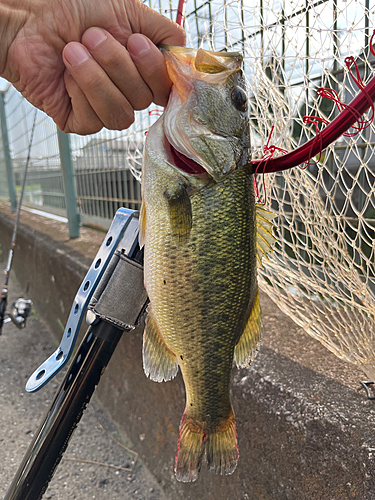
(206, 121)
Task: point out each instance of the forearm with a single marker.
(13, 15)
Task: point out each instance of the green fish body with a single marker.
(199, 230)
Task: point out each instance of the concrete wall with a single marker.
(304, 433)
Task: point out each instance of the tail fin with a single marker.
(220, 446)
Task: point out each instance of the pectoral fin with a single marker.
(265, 240)
(159, 363)
(248, 345)
(180, 213)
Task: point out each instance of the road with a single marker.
(94, 440)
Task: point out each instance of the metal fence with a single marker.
(4, 189)
(105, 165)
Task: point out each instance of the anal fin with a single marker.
(248, 345)
(159, 362)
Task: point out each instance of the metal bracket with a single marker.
(365, 385)
(60, 357)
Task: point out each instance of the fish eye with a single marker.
(239, 98)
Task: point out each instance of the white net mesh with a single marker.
(322, 271)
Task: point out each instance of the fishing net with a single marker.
(322, 271)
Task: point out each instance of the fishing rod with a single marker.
(21, 308)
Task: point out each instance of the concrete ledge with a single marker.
(305, 431)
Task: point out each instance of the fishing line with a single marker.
(4, 291)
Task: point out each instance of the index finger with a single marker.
(150, 64)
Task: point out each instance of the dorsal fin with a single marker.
(265, 239)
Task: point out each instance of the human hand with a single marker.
(89, 63)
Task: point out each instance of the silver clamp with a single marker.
(60, 357)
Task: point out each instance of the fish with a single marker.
(203, 238)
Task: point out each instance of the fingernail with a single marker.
(75, 54)
(138, 45)
(93, 37)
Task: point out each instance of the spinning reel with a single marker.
(18, 314)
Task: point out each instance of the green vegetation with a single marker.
(29, 187)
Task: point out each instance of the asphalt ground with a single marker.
(96, 464)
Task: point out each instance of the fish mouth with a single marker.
(177, 140)
(181, 135)
(185, 164)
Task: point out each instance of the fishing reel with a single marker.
(18, 314)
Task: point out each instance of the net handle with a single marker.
(361, 103)
(180, 19)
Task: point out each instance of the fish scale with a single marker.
(199, 230)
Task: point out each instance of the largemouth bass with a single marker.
(199, 229)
